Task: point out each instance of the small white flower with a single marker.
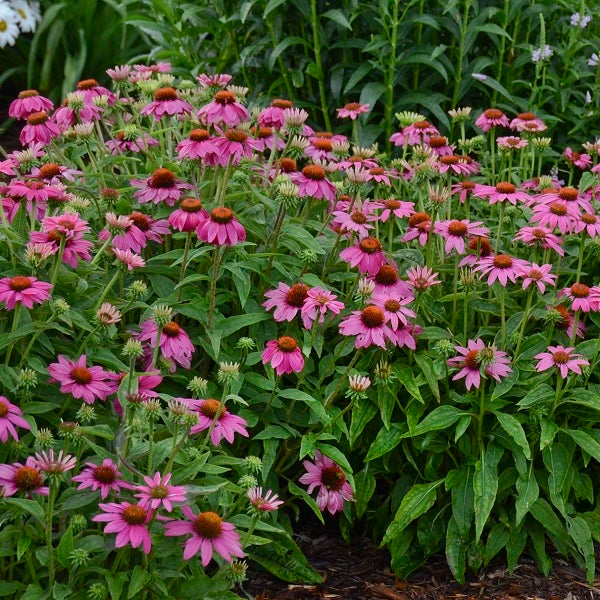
(588, 97)
(594, 60)
(9, 25)
(580, 21)
(542, 54)
(479, 76)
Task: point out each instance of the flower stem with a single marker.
(250, 529)
(213, 286)
(524, 321)
(49, 518)
(15, 325)
(186, 251)
(107, 289)
(314, 20)
(342, 379)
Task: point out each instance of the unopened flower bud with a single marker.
(44, 438)
(108, 314)
(86, 413)
(247, 481)
(137, 290)
(198, 386)
(79, 557)
(253, 464)
(407, 117)
(246, 343)
(78, 522)
(228, 372)
(444, 348)
(460, 114)
(237, 571)
(60, 306)
(382, 372)
(133, 348)
(162, 314)
(27, 379)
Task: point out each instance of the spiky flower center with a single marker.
(171, 329)
(281, 103)
(535, 274)
(140, 220)
(393, 204)
(457, 228)
(588, 219)
(568, 193)
(538, 233)
(49, 170)
(19, 283)
(162, 178)
(580, 290)
(159, 491)
(471, 360)
(210, 408)
(560, 357)
(296, 295)
(387, 275)
(323, 144)
(221, 215)
(493, 113)
(323, 134)
(27, 478)
(504, 187)
(208, 525)
(526, 116)
(358, 217)
(481, 244)
(164, 94)
(105, 474)
(314, 172)
(467, 185)
(3, 409)
(437, 141)
(81, 375)
(87, 84)
(134, 515)
(287, 165)
(563, 311)
(449, 160)
(352, 106)
(502, 261)
(28, 94)
(265, 132)
(418, 218)
(333, 478)
(422, 125)
(392, 305)
(558, 209)
(191, 205)
(369, 245)
(37, 118)
(287, 344)
(199, 135)
(236, 135)
(376, 171)
(372, 316)
(225, 97)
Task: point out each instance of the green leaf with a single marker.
(281, 47)
(485, 486)
(271, 6)
(30, 506)
(541, 393)
(513, 427)
(115, 584)
(23, 544)
(386, 401)
(315, 405)
(298, 491)
(455, 551)
(556, 460)
(365, 486)
(463, 501)
(441, 417)
(418, 500)
(232, 324)
(497, 539)
(65, 547)
(498, 87)
(579, 532)
(386, 441)
(8, 589)
(548, 430)
(528, 492)
(138, 579)
(585, 441)
(426, 366)
(362, 413)
(407, 379)
(543, 513)
(338, 16)
(335, 455)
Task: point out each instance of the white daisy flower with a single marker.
(9, 28)
(28, 14)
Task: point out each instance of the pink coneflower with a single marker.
(589, 223)
(579, 159)
(500, 267)
(54, 464)
(439, 145)
(394, 308)
(265, 139)
(355, 222)
(226, 425)
(161, 186)
(104, 477)
(209, 533)
(583, 297)
(145, 389)
(39, 129)
(421, 278)
(8, 167)
(568, 196)
(407, 335)
(167, 103)
(74, 111)
(142, 230)
(477, 359)
(464, 189)
(188, 216)
(22, 478)
(27, 103)
(23, 290)
(456, 164)
(357, 164)
(540, 236)
(108, 314)
(198, 146)
(367, 255)
(267, 502)
(129, 522)
(556, 215)
(492, 117)
(539, 275)
(311, 181)
(174, 342)
(52, 173)
(319, 149)
(332, 482)
(477, 248)
(233, 145)
(66, 229)
(455, 232)
(501, 192)
(91, 89)
(380, 175)
(273, 116)
(121, 143)
(386, 280)
(417, 133)
(218, 80)
(129, 259)
(287, 301)
(567, 321)
(562, 358)
(527, 121)
(370, 327)
(157, 492)
(38, 253)
(318, 303)
(75, 378)
(352, 110)
(284, 355)
(223, 109)
(221, 228)
(10, 416)
(419, 225)
(398, 208)
(119, 72)
(510, 142)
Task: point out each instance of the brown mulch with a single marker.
(361, 572)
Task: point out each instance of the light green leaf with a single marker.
(513, 427)
(485, 486)
(441, 417)
(528, 492)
